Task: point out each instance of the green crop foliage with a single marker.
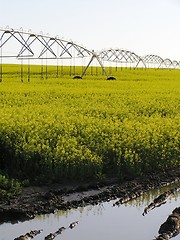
(62, 128)
(9, 187)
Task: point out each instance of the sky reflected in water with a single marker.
(102, 221)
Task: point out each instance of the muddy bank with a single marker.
(48, 199)
(171, 227)
(30, 235)
(160, 200)
(50, 236)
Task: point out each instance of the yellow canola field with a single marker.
(62, 128)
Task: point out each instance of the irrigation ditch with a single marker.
(37, 200)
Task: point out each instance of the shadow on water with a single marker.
(102, 221)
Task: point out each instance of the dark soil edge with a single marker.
(48, 199)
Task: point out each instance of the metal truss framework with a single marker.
(54, 46)
(153, 59)
(160, 62)
(33, 46)
(125, 56)
(120, 56)
(48, 48)
(176, 64)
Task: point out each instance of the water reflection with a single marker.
(101, 221)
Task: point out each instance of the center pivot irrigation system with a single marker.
(25, 46)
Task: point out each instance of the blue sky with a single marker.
(142, 26)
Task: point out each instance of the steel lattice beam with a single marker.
(176, 64)
(153, 59)
(41, 46)
(33, 46)
(55, 47)
(120, 56)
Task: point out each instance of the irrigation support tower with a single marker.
(31, 47)
(25, 45)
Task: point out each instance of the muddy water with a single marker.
(102, 221)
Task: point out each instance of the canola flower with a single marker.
(63, 128)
